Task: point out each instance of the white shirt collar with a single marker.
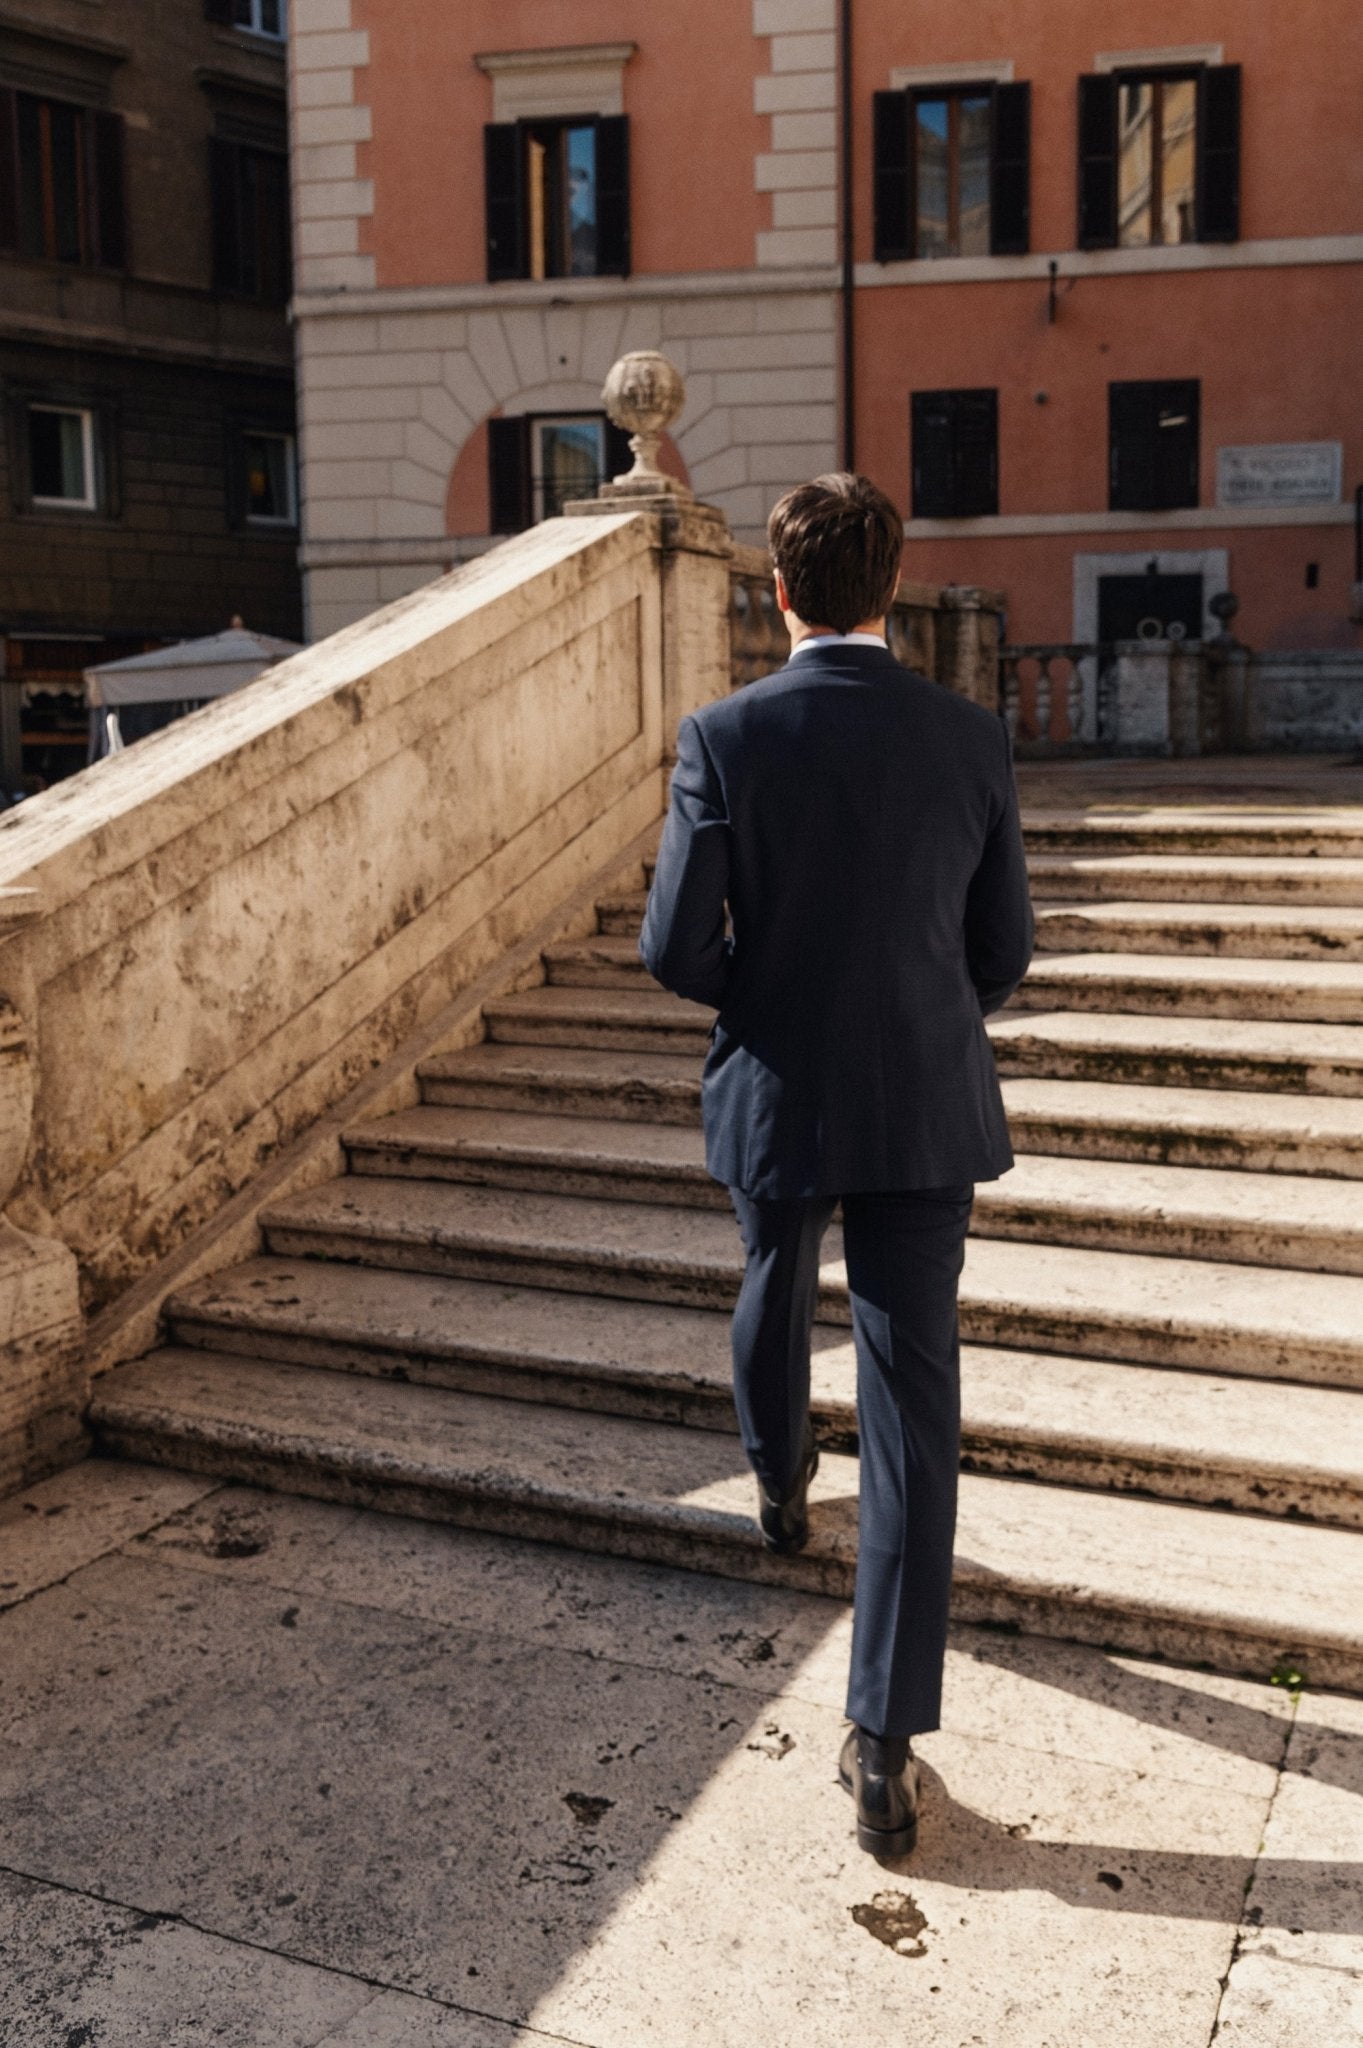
(838, 640)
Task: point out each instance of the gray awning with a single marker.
(190, 672)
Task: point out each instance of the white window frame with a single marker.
(90, 501)
(255, 27)
(275, 522)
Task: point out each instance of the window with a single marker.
(61, 457)
(61, 192)
(1156, 131)
(1159, 157)
(262, 17)
(955, 454)
(269, 492)
(250, 220)
(1153, 446)
(558, 197)
(952, 171)
(538, 463)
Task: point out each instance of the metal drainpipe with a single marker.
(849, 372)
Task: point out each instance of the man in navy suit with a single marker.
(860, 825)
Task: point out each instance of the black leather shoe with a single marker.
(881, 1775)
(785, 1522)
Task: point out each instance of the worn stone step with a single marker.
(1285, 879)
(566, 1081)
(1237, 1592)
(1092, 1045)
(1241, 832)
(1156, 984)
(606, 961)
(1076, 1421)
(1224, 1053)
(1192, 1212)
(1162, 984)
(1210, 1315)
(1256, 1131)
(622, 915)
(641, 1018)
(1190, 878)
(1203, 930)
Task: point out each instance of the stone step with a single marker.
(1212, 1316)
(1265, 834)
(1236, 1592)
(641, 1018)
(1286, 880)
(1313, 1225)
(1076, 1421)
(1156, 984)
(1211, 930)
(1227, 1053)
(566, 1080)
(1255, 1132)
(1162, 984)
(1092, 1045)
(1189, 878)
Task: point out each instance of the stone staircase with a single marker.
(512, 1312)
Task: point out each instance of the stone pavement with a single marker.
(278, 1773)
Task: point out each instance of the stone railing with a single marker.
(240, 919)
(1181, 697)
(951, 634)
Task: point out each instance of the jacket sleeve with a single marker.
(998, 914)
(683, 944)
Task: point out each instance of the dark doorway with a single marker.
(1150, 607)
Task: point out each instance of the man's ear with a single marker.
(783, 603)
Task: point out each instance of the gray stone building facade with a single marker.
(147, 473)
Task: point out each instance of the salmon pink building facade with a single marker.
(1090, 314)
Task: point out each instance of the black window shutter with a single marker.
(272, 227)
(893, 177)
(9, 171)
(933, 415)
(975, 489)
(1131, 448)
(504, 201)
(508, 460)
(1098, 161)
(1153, 446)
(109, 210)
(1010, 203)
(612, 195)
(619, 454)
(955, 454)
(225, 178)
(1218, 153)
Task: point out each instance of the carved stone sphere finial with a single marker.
(644, 393)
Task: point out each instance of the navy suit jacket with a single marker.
(861, 825)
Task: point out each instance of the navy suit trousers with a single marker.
(904, 1253)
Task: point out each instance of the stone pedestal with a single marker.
(1157, 697)
(42, 1374)
(644, 393)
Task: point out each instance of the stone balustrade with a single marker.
(242, 917)
(950, 633)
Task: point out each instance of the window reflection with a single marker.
(561, 185)
(569, 462)
(952, 149)
(1156, 161)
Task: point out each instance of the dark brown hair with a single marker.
(837, 542)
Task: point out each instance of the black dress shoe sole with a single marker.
(888, 1847)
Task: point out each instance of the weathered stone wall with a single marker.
(242, 917)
